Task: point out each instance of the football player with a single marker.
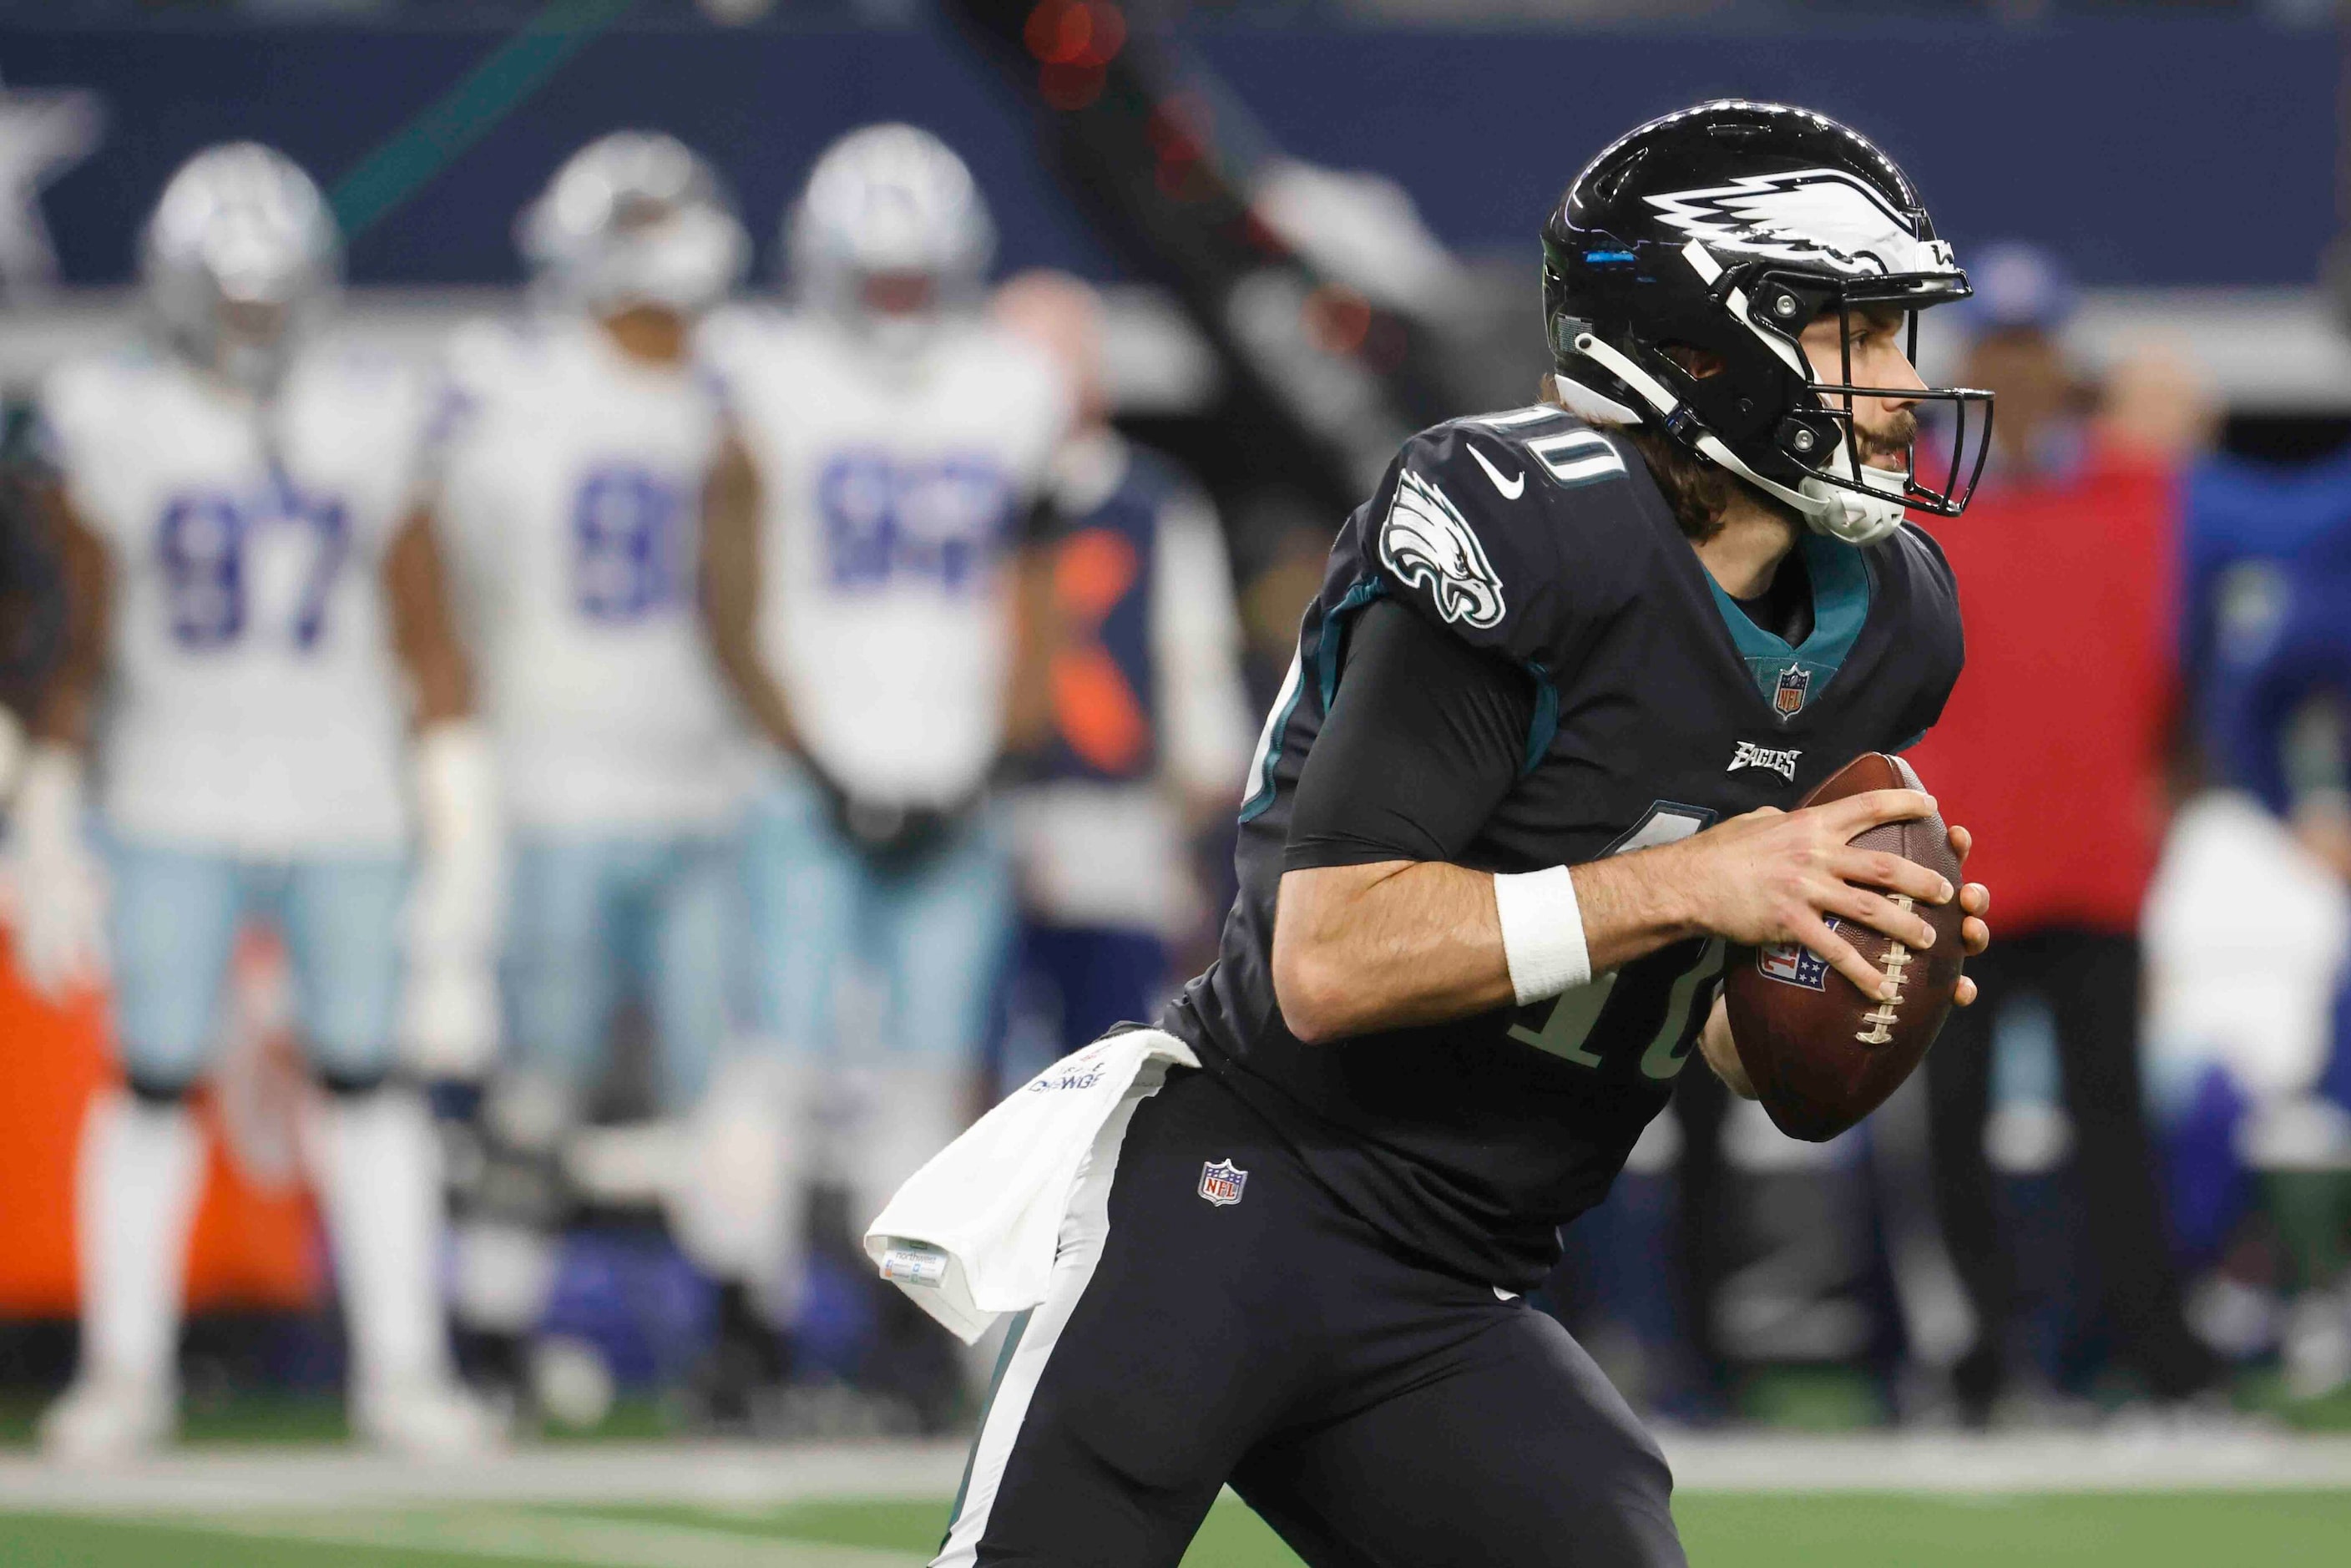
(569, 462)
(863, 576)
(1571, 666)
(1148, 722)
(246, 606)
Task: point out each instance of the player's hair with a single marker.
(1696, 491)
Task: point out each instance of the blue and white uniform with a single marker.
(570, 480)
(1148, 715)
(896, 486)
(251, 746)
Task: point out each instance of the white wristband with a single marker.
(1543, 933)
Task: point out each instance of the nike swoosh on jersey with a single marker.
(1512, 487)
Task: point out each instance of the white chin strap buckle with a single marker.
(1855, 518)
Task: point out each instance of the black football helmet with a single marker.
(1728, 227)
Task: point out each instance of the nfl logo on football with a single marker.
(1221, 1183)
(1792, 964)
(1788, 699)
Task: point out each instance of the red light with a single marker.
(1081, 33)
(1338, 318)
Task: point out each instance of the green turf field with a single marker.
(1749, 1530)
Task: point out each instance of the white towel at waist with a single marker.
(972, 1234)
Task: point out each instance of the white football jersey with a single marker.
(253, 702)
(569, 487)
(895, 489)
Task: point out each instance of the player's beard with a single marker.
(1893, 441)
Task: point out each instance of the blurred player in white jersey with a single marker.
(863, 598)
(246, 603)
(571, 458)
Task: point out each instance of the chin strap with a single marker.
(1826, 508)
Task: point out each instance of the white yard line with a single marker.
(550, 1538)
(215, 1479)
(743, 1476)
(2052, 1462)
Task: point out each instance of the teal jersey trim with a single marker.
(1840, 591)
(1324, 670)
(1326, 649)
(1544, 725)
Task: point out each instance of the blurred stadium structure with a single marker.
(1313, 225)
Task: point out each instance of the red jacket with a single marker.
(2052, 748)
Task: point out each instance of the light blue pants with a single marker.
(173, 922)
(594, 919)
(935, 935)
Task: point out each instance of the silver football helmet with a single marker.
(240, 259)
(890, 232)
(634, 218)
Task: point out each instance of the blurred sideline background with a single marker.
(1313, 225)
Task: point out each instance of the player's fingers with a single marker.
(1975, 898)
(1974, 935)
(1856, 813)
(1881, 914)
(1844, 958)
(1966, 993)
(1876, 868)
(1962, 842)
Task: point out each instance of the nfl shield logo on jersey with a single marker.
(1788, 696)
(1221, 1183)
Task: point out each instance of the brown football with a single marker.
(1820, 1054)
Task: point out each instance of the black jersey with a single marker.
(1651, 706)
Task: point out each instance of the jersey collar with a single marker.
(1790, 676)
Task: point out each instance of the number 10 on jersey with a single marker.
(1572, 1029)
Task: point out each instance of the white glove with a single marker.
(457, 911)
(60, 904)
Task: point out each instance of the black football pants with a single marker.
(1378, 1413)
(2090, 981)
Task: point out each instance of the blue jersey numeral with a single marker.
(888, 520)
(627, 539)
(204, 542)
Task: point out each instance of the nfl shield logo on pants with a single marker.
(1221, 1183)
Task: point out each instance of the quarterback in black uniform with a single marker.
(1568, 669)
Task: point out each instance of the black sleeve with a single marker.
(1424, 737)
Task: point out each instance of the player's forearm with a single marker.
(1388, 945)
(65, 711)
(1634, 904)
(1400, 943)
(731, 572)
(423, 629)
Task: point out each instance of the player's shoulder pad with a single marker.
(484, 351)
(1926, 573)
(991, 355)
(78, 397)
(1480, 520)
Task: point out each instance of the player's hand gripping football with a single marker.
(1721, 1051)
(1773, 876)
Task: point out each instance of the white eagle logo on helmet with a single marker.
(1804, 214)
(1427, 543)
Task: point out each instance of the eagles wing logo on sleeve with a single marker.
(1427, 543)
(1804, 214)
